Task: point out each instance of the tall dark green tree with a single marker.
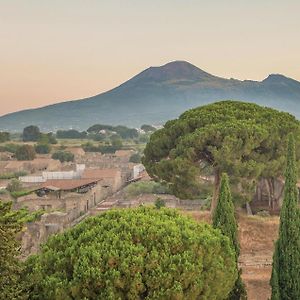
(224, 219)
(10, 266)
(31, 133)
(285, 279)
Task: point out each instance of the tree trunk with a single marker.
(273, 198)
(214, 200)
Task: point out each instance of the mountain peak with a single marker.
(277, 78)
(173, 71)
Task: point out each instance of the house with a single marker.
(109, 177)
(73, 196)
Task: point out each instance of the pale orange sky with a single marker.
(52, 51)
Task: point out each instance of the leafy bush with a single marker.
(14, 186)
(42, 148)
(47, 138)
(4, 137)
(159, 203)
(145, 187)
(63, 156)
(135, 158)
(19, 194)
(142, 253)
(12, 148)
(25, 152)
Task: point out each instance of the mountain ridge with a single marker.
(156, 95)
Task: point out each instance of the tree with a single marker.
(116, 141)
(47, 138)
(42, 148)
(143, 253)
(285, 279)
(71, 134)
(148, 128)
(31, 134)
(244, 140)
(63, 156)
(10, 266)
(4, 137)
(224, 219)
(25, 152)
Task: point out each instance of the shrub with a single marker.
(4, 137)
(14, 186)
(63, 156)
(12, 148)
(22, 193)
(25, 152)
(135, 158)
(145, 187)
(159, 203)
(142, 253)
(42, 148)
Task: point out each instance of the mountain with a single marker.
(156, 95)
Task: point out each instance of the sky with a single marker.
(53, 51)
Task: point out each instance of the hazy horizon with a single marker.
(59, 51)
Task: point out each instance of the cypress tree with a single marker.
(224, 219)
(285, 279)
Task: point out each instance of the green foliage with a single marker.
(14, 186)
(42, 148)
(12, 175)
(224, 219)
(31, 134)
(285, 279)
(144, 187)
(143, 253)
(71, 134)
(12, 148)
(90, 147)
(10, 266)
(159, 203)
(4, 137)
(63, 156)
(148, 128)
(20, 193)
(25, 152)
(116, 141)
(123, 131)
(135, 158)
(242, 139)
(47, 138)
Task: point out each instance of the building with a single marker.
(110, 177)
(73, 196)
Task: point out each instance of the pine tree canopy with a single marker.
(143, 253)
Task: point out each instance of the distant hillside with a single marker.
(156, 95)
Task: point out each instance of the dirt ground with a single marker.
(257, 237)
